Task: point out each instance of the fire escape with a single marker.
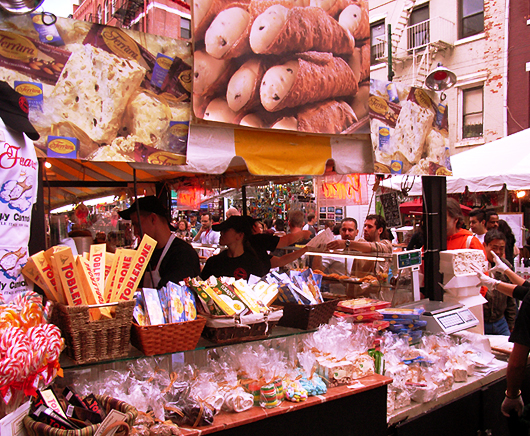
(127, 10)
(414, 47)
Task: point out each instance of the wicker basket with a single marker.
(307, 316)
(231, 329)
(90, 341)
(36, 428)
(167, 338)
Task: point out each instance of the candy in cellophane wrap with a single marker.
(310, 381)
(340, 350)
(29, 349)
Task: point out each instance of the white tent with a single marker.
(489, 167)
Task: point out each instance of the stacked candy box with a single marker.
(362, 310)
(405, 322)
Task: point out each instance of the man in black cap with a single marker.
(173, 259)
(239, 260)
(14, 110)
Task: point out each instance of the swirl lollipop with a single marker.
(9, 336)
(31, 315)
(9, 317)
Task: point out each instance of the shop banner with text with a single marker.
(97, 92)
(409, 130)
(346, 190)
(283, 64)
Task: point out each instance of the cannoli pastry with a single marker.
(218, 110)
(354, 19)
(252, 120)
(360, 101)
(280, 30)
(210, 75)
(227, 36)
(332, 7)
(330, 116)
(243, 88)
(309, 78)
(359, 62)
(204, 12)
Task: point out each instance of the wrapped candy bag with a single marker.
(310, 381)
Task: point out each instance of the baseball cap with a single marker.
(240, 224)
(14, 110)
(149, 203)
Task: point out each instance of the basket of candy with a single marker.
(234, 310)
(93, 340)
(75, 427)
(166, 320)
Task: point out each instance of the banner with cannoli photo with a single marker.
(409, 130)
(100, 93)
(298, 65)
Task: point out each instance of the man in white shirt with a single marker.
(477, 224)
(206, 235)
(334, 265)
(311, 221)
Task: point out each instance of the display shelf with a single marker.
(291, 413)
(203, 344)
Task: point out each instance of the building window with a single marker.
(90, 18)
(473, 112)
(472, 17)
(418, 30)
(185, 32)
(377, 41)
(107, 11)
(113, 7)
(99, 17)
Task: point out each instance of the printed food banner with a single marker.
(409, 130)
(97, 92)
(299, 65)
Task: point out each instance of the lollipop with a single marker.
(9, 336)
(9, 317)
(22, 354)
(31, 315)
(10, 371)
(25, 298)
(55, 342)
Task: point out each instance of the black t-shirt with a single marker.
(521, 330)
(181, 261)
(262, 243)
(239, 267)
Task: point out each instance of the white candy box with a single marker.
(462, 262)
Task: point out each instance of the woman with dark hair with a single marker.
(457, 236)
(182, 230)
(239, 260)
(511, 250)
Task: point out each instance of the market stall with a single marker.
(94, 311)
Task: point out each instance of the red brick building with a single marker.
(519, 66)
(171, 18)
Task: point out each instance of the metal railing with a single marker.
(436, 29)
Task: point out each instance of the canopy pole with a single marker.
(505, 206)
(435, 220)
(244, 199)
(37, 239)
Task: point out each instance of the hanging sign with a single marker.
(348, 190)
(100, 93)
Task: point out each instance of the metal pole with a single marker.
(244, 199)
(435, 221)
(389, 43)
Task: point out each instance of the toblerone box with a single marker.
(124, 264)
(49, 276)
(138, 266)
(90, 285)
(48, 254)
(109, 279)
(73, 288)
(109, 259)
(31, 272)
(97, 264)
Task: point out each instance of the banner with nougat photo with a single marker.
(297, 65)
(100, 93)
(409, 130)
